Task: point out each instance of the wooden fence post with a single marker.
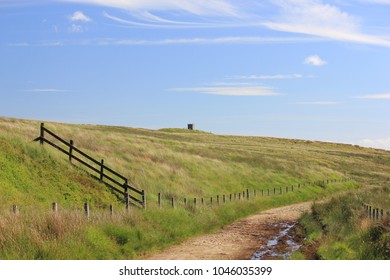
(287, 189)
(274, 191)
(127, 202)
(54, 207)
(247, 194)
(86, 209)
(224, 199)
(71, 143)
(159, 200)
(280, 190)
(102, 170)
(15, 209)
(185, 201)
(230, 198)
(111, 210)
(42, 134)
(202, 199)
(211, 200)
(173, 202)
(195, 201)
(143, 199)
(255, 193)
(239, 196)
(218, 199)
(262, 192)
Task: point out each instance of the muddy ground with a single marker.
(237, 241)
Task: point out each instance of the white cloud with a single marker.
(45, 90)
(383, 143)
(232, 90)
(270, 77)
(314, 60)
(199, 7)
(79, 16)
(386, 2)
(313, 17)
(318, 103)
(376, 96)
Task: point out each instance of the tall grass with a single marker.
(343, 228)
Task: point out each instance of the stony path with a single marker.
(237, 241)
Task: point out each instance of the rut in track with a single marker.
(237, 241)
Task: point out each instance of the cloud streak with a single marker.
(375, 96)
(232, 90)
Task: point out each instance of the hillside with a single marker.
(175, 164)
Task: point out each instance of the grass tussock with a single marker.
(343, 229)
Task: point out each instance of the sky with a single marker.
(303, 69)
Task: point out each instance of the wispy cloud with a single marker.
(318, 103)
(314, 60)
(313, 17)
(232, 90)
(173, 41)
(270, 77)
(375, 96)
(381, 143)
(79, 16)
(45, 90)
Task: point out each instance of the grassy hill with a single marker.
(172, 162)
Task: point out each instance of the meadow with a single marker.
(174, 162)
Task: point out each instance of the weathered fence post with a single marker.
(247, 194)
(280, 190)
(224, 199)
(143, 200)
(159, 200)
(15, 209)
(255, 193)
(202, 199)
(70, 150)
(173, 202)
(287, 189)
(42, 133)
(274, 191)
(185, 201)
(54, 207)
(218, 199)
(127, 199)
(102, 170)
(239, 196)
(230, 198)
(111, 210)
(86, 209)
(262, 192)
(195, 201)
(211, 200)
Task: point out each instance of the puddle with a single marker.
(281, 245)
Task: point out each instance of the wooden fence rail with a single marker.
(114, 180)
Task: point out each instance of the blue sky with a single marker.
(306, 69)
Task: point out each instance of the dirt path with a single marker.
(237, 241)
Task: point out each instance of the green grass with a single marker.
(343, 229)
(172, 162)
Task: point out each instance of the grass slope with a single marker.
(172, 162)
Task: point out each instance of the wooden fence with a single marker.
(219, 200)
(114, 180)
(246, 194)
(375, 213)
